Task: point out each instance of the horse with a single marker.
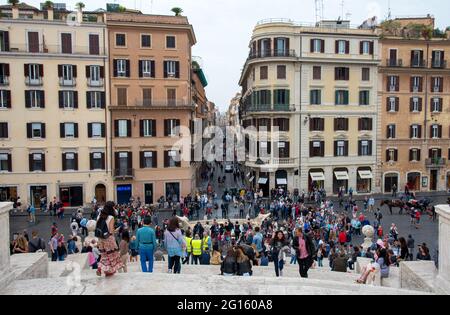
(396, 203)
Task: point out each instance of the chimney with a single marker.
(80, 15)
(50, 15)
(15, 12)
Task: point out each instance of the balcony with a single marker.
(4, 81)
(123, 174)
(271, 162)
(270, 108)
(67, 82)
(34, 81)
(439, 64)
(96, 83)
(162, 103)
(273, 53)
(418, 63)
(394, 63)
(52, 49)
(436, 162)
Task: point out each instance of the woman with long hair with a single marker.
(404, 251)
(229, 266)
(382, 264)
(175, 244)
(110, 261)
(244, 266)
(278, 246)
(21, 245)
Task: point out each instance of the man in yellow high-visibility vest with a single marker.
(206, 242)
(188, 258)
(196, 244)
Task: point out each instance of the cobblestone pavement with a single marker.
(427, 233)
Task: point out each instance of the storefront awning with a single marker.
(365, 174)
(281, 181)
(262, 180)
(341, 175)
(317, 176)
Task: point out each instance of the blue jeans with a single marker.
(293, 259)
(146, 256)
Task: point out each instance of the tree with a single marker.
(13, 2)
(80, 5)
(177, 11)
(390, 27)
(48, 5)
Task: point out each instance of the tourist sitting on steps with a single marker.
(229, 265)
(382, 265)
(244, 266)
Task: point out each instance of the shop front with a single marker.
(36, 194)
(71, 196)
(316, 179)
(414, 180)
(8, 193)
(390, 179)
(263, 183)
(123, 193)
(148, 194)
(173, 192)
(364, 180)
(340, 180)
(281, 180)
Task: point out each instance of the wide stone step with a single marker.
(157, 284)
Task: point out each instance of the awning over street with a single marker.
(263, 180)
(281, 181)
(317, 176)
(341, 175)
(365, 174)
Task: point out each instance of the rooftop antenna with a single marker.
(151, 6)
(319, 10)
(389, 10)
(342, 9)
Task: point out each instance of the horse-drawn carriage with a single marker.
(422, 205)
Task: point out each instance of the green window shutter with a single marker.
(336, 97)
(287, 97)
(346, 97)
(319, 97)
(311, 93)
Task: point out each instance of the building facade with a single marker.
(318, 86)
(151, 95)
(53, 70)
(414, 87)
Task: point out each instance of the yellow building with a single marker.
(53, 70)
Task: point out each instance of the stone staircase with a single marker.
(73, 277)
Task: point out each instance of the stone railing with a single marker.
(6, 276)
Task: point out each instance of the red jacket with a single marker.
(342, 237)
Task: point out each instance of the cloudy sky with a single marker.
(223, 27)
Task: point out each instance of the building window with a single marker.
(414, 155)
(146, 96)
(342, 47)
(4, 130)
(5, 162)
(282, 124)
(34, 99)
(415, 132)
(436, 131)
(37, 162)
(416, 84)
(341, 124)
(4, 41)
(281, 72)
(123, 128)
(315, 97)
(146, 41)
(341, 97)
(172, 158)
(148, 159)
(95, 74)
(391, 155)
(316, 149)
(281, 97)
(66, 43)
(5, 99)
(365, 124)
(171, 69)
(122, 98)
(172, 97)
(341, 148)
(417, 58)
(365, 74)
(416, 104)
(170, 42)
(436, 105)
(366, 48)
(121, 40)
(393, 83)
(67, 74)
(70, 162)
(146, 68)
(390, 131)
(437, 59)
(365, 148)
(171, 127)
(317, 73)
(364, 97)
(437, 84)
(35, 130)
(97, 160)
(69, 130)
(94, 44)
(435, 153)
(393, 104)
(148, 128)
(317, 124)
(95, 99)
(96, 130)
(68, 99)
(263, 73)
(122, 68)
(317, 45)
(341, 74)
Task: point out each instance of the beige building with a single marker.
(318, 85)
(414, 87)
(151, 94)
(53, 66)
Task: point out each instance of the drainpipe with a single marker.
(425, 119)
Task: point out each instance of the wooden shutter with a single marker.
(177, 69)
(359, 148)
(370, 147)
(322, 46)
(419, 158)
(311, 148)
(371, 50)
(75, 158)
(29, 131)
(420, 84)
(75, 71)
(88, 100)
(336, 46)
(115, 70)
(63, 162)
(411, 131)
(102, 72)
(30, 162)
(141, 62)
(420, 104)
(347, 47)
(60, 71)
(41, 99)
(26, 70)
(127, 65)
(419, 131)
(141, 128)
(91, 161)
(6, 40)
(130, 160)
(75, 127)
(397, 104)
(66, 43)
(62, 130)
(361, 47)
(61, 99)
(166, 158)
(75, 99)
(8, 98)
(411, 104)
(152, 65)
(43, 130)
(387, 156)
(166, 127)
(88, 72)
(155, 159)
(397, 83)
(395, 155)
(153, 128)
(440, 131)
(9, 162)
(410, 155)
(89, 130)
(335, 148)
(33, 42)
(94, 48)
(165, 69)
(129, 129)
(116, 128)
(27, 99)
(116, 160)
(346, 148)
(311, 44)
(141, 159)
(103, 130)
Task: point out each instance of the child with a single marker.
(133, 249)
(91, 257)
(123, 249)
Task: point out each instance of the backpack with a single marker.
(101, 230)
